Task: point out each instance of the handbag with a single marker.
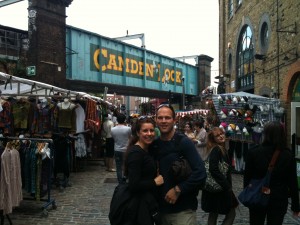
(180, 169)
(257, 193)
(210, 184)
(120, 199)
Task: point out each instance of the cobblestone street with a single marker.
(87, 201)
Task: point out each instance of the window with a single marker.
(9, 39)
(264, 38)
(245, 60)
(230, 9)
(264, 33)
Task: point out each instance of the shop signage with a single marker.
(115, 62)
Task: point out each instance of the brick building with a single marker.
(42, 47)
(259, 50)
(47, 33)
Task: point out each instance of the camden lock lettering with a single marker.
(113, 62)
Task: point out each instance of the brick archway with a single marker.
(290, 81)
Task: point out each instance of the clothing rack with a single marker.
(48, 201)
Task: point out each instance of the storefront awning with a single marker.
(202, 112)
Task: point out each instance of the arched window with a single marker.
(245, 61)
(264, 37)
(264, 34)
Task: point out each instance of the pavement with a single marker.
(87, 200)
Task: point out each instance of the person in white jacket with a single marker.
(200, 138)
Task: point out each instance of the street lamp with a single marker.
(183, 93)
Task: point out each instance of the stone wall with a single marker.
(281, 44)
(277, 74)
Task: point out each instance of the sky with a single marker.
(174, 28)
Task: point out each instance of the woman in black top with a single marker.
(283, 183)
(141, 171)
(223, 202)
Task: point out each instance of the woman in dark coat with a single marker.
(223, 202)
(141, 171)
(283, 183)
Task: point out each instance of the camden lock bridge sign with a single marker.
(100, 61)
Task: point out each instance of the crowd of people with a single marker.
(145, 152)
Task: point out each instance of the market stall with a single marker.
(52, 123)
(242, 116)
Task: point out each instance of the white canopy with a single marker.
(16, 86)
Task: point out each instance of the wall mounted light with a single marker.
(260, 56)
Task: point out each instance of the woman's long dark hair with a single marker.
(274, 135)
(136, 127)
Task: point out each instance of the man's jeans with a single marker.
(119, 156)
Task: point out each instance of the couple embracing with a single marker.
(162, 200)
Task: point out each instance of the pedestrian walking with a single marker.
(109, 142)
(178, 200)
(223, 202)
(141, 171)
(200, 138)
(283, 183)
(121, 135)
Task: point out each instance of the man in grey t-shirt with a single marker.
(121, 135)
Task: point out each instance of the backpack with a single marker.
(180, 169)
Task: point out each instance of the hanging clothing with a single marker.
(80, 146)
(92, 120)
(61, 155)
(35, 167)
(67, 118)
(80, 117)
(43, 118)
(20, 112)
(10, 180)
